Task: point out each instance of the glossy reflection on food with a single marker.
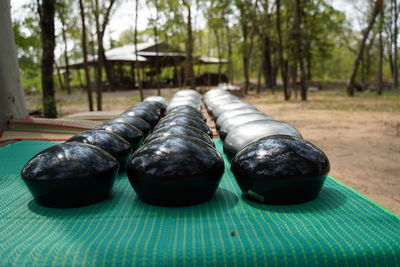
(217, 111)
(187, 110)
(158, 99)
(231, 113)
(146, 114)
(180, 129)
(238, 120)
(246, 133)
(131, 134)
(110, 142)
(70, 175)
(280, 170)
(185, 120)
(137, 122)
(175, 171)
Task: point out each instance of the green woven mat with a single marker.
(340, 228)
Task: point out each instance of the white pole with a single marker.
(12, 103)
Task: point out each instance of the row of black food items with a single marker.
(82, 170)
(269, 158)
(177, 164)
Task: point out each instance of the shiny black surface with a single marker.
(190, 98)
(131, 134)
(70, 175)
(187, 92)
(231, 113)
(180, 129)
(175, 171)
(185, 120)
(137, 122)
(280, 170)
(218, 110)
(238, 120)
(246, 133)
(157, 104)
(187, 110)
(117, 146)
(143, 113)
(158, 99)
(183, 103)
(153, 106)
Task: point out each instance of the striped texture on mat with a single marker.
(340, 228)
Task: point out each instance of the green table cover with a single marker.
(340, 228)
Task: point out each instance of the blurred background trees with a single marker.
(285, 45)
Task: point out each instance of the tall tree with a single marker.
(61, 9)
(300, 48)
(280, 51)
(266, 47)
(247, 21)
(189, 72)
(85, 60)
(376, 9)
(380, 71)
(46, 10)
(135, 40)
(101, 58)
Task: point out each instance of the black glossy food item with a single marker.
(174, 104)
(217, 111)
(185, 120)
(131, 134)
(238, 120)
(152, 106)
(175, 171)
(187, 110)
(158, 99)
(249, 132)
(114, 144)
(180, 129)
(137, 122)
(70, 175)
(231, 113)
(187, 92)
(280, 170)
(143, 113)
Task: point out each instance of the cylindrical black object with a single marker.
(185, 120)
(117, 146)
(131, 134)
(280, 170)
(70, 175)
(180, 129)
(175, 171)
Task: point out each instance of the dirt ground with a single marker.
(360, 135)
(363, 146)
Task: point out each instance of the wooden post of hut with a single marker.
(12, 96)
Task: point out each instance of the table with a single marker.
(340, 228)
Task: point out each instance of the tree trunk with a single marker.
(280, 50)
(189, 73)
(12, 96)
(46, 11)
(266, 62)
(299, 50)
(376, 10)
(380, 74)
(395, 52)
(219, 50)
(157, 72)
(85, 61)
(135, 40)
(66, 58)
(246, 62)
